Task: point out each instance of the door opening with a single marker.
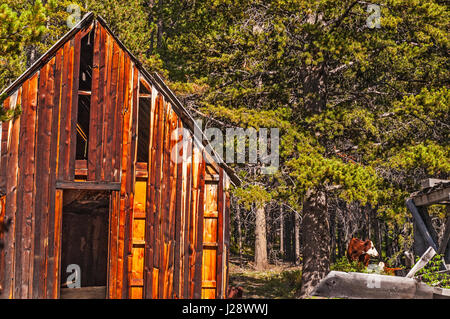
(84, 247)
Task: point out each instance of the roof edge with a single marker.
(86, 20)
(156, 80)
(153, 77)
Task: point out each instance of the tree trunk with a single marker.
(333, 234)
(281, 233)
(239, 229)
(297, 238)
(290, 249)
(377, 232)
(315, 239)
(260, 240)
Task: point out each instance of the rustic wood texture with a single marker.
(164, 210)
(138, 241)
(23, 249)
(150, 201)
(55, 211)
(187, 222)
(163, 235)
(226, 234)
(43, 173)
(220, 222)
(66, 116)
(94, 122)
(200, 220)
(11, 164)
(178, 218)
(210, 241)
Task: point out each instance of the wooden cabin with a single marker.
(86, 178)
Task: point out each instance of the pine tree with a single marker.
(359, 106)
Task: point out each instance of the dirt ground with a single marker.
(281, 281)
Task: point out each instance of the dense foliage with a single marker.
(363, 111)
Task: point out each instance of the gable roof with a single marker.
(154, 78)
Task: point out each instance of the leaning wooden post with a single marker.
(420, 224)
(445, 237)
(426, 257)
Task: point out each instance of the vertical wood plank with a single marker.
(113, 222)
(74, 107)
(4, 152)
(101, 103)
(112, 115)
(11, 200)
(5, 129)
(221, 211)
(165, 204)
(178, 237)
(188, 220)
(130, 178)
(93, 155)
(66, 115)
(193, 221)
(20, 218)
(106, 106)
(54, 215)
(43, 172)
(173, 138)
(2, 238)
(126, 150)
(57, 243)
(26, 187)
(157, 199)
(119, 119)
(199, 235)
(12, 151)
(225, 267)
(151, 198)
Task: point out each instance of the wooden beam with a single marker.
(420, 224)
(434, 197)
(88, 186)
(445, 237)
(178, 107)
(430, 182)
(84, 23)
(81, 168)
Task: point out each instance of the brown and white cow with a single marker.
(361, 251)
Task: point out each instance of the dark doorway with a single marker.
(85, 223)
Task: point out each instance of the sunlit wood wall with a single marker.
(168, 223)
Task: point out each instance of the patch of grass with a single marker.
(344, 265)
(430, 273)
(270, 284)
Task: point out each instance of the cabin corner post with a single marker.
(11, 164)
(227, 235)
(220, 233)
(200, 223)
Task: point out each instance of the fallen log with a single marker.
(356, 285)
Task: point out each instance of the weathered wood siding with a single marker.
(168, 221)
